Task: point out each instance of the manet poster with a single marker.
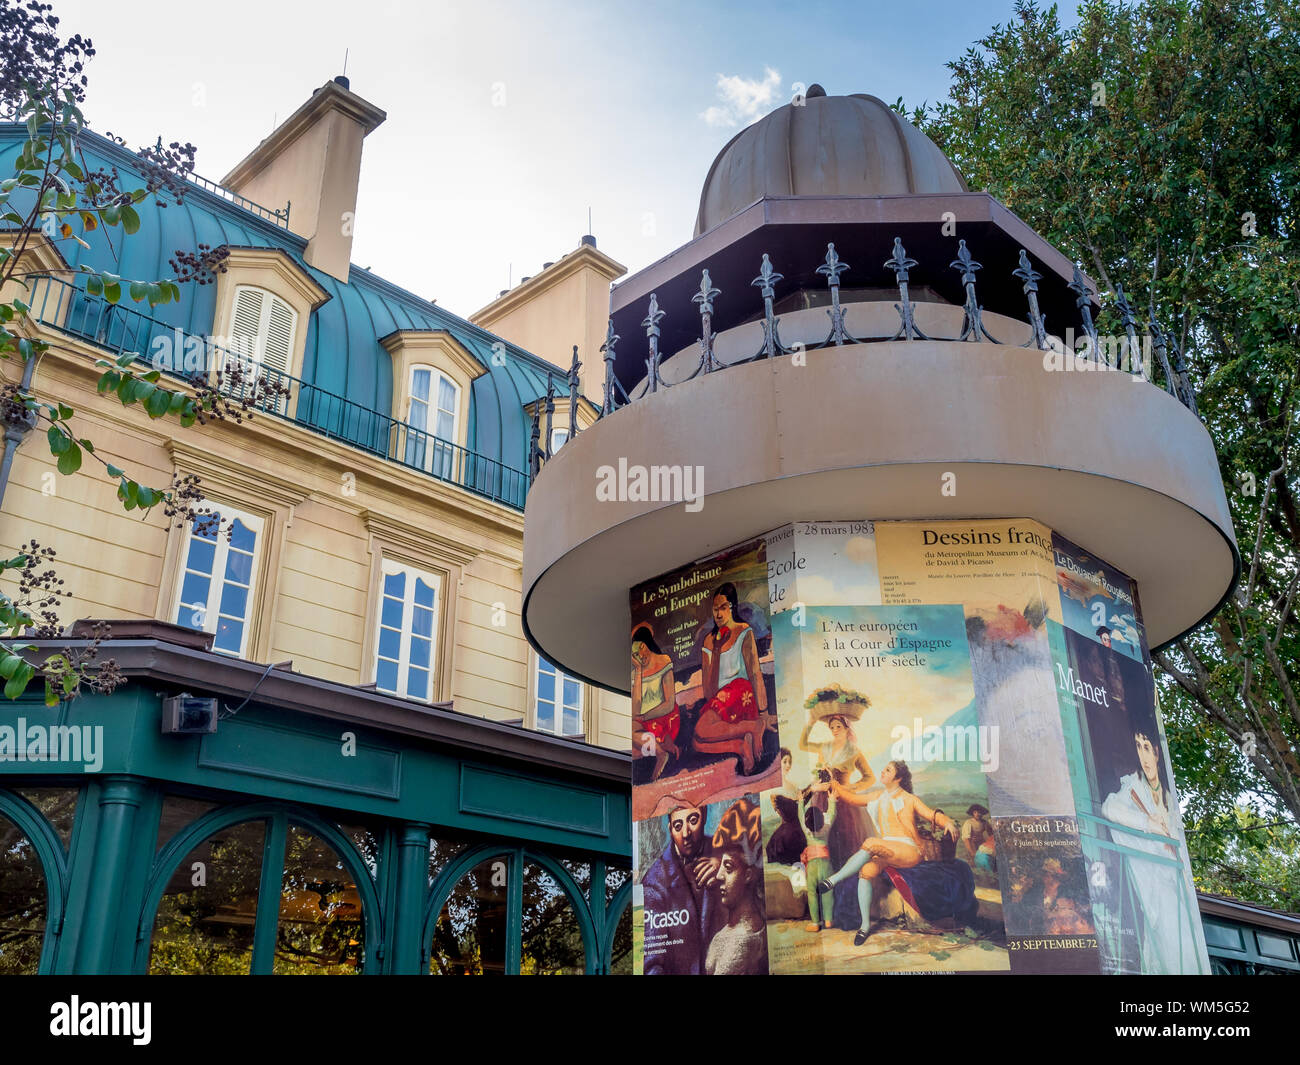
(1131, 832)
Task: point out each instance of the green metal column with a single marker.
(406, 917)
(99, 893)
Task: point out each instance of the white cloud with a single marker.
(743, 99)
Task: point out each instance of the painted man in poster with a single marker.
(680, 911)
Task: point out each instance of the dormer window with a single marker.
(431, 415)
(263, 328)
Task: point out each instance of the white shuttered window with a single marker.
(263, 328)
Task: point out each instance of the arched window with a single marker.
(431, 415)
(23, 902)
(35, 826)
(552, 937)
(211, 915)
(510, 911)
(470, 936)
(406, 646)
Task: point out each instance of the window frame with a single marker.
(390, 567)
(534, 691)
(212, 616)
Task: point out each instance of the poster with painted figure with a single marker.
(1131, 831)
(885, 762)
(1001, 573)
(698, 894)
(1098, 601)
(703, 694)
(1049, 919)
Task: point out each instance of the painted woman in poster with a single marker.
(896, 812)
(839, 760)
(734, 716)
(656, 719)
(739, 946)
(1142, 802)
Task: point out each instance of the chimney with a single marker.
(312, 161)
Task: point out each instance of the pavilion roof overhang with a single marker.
(794, 232)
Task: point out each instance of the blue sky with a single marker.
(507, 120)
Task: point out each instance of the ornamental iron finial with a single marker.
(831, 270)
(704, 297)
(973, 325)
(550, 411)
(574, 381)
(1031, 277)
(766, 282)
(1084, 302)
(611, 339)
(651, 325)
(534, 452)
(1129, 320)
(901, 264)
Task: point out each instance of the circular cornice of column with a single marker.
(868, 432)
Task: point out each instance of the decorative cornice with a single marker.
(419, 542)
(255, 482)
(285, 266)
(584, 256)
(45, 257)
(329, 97)
(411, 343)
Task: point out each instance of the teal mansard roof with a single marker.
(347, 374)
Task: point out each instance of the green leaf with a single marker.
(111, 215)
(158, 403)
(138, 290)
(70, 460)
(130, 220)
(112, 291)
(94, 285)
(59, 442)
(114, 471)
(65, 411)
(9, 664)
(17, 684)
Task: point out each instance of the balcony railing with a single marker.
(242, 379)
(1154, 355)
(279, 218)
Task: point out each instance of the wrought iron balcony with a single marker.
(1153, 354)
(120, 330)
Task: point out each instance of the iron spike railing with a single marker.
(550, 413)
(973, 324)
(609, 401)
(705, 297)
(574, 383)
(534, 448)
(901, 264)
(1183, 389)
(651, 325)
(1084, 304)
(831, 269)
(766, 281)
(1031, 277)
(1129, 320)
(1158, 343)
